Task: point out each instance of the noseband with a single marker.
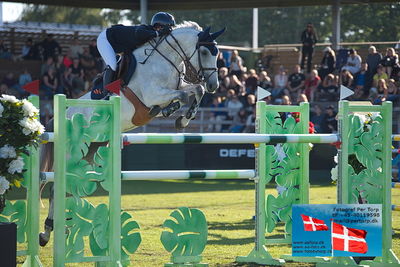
(191, 75)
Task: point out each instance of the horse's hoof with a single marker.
(154, 111)
(179, 123)
(43, 239)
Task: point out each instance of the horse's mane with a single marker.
(188, 25)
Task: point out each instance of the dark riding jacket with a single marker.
(128, 38)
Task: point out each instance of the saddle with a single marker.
(126, 67)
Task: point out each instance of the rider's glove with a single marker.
(165, 31)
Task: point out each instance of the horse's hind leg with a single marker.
(44, 237)
(46, 165)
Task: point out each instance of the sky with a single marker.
(11, 11)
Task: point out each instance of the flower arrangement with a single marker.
(19, 129)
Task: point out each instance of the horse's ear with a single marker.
(207, 30)
(218, 33)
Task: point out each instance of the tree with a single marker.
(58, 14)
(375, 22)
(360, 23)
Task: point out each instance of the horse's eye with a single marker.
(204, 52)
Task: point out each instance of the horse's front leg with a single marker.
(195, 93)
(195, 89)
(198, 92)
(163, 96)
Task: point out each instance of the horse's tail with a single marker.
(47, 151)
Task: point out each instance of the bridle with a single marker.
(189, 74)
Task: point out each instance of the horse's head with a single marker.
(207, 58)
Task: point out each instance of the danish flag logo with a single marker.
(348, 239)
(313, 224)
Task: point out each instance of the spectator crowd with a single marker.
(68, 73)
(375, 78)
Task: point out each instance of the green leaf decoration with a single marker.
(284, 171)
(80, 214)
(16, 212)
(77, 181)
(84, 220)
(280, 208)
(368, 184)
(274, 122)
(100, 228)
(289, 124)
(365, 160)
(288, 179)
(188, 232)
(130, 236)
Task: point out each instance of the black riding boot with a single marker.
(108, 76)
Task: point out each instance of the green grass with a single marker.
(227, 205)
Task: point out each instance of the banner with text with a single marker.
(337, 230)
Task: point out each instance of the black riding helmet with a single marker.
(163, 18)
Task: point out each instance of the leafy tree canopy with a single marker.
(372, 22)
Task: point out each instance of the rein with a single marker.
(189, 74)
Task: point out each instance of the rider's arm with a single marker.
(145, 33)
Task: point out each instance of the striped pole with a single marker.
(155, 138)
(47, 137)
(395, 137)
(395, 185)
(395, 207)
(173, 175)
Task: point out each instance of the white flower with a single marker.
(374, 115)
(27, 126)
(31, 126)
(29, 109)
(7, 152)
(9, 98)
(1, 110)
(335, 173)
(16, 165)
(4, 185)
(39, 127)
(362, 118)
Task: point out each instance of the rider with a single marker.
(125, 39)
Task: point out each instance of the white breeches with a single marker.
(106, 51)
